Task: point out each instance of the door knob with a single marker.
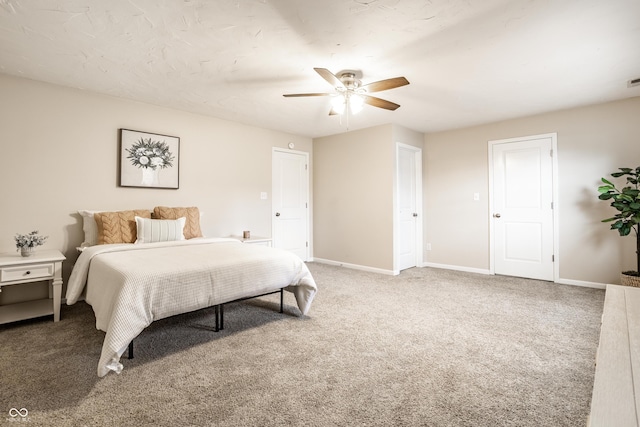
(277, 213)
(415, 214)
(496, 215)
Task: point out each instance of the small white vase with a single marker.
(150, 177)
(26, 251)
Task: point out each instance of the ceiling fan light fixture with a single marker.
(351, 95)
(339, 103)
(356, 102)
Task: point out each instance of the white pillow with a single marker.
(159, 230)
(90, 228)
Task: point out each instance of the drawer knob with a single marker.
(27, 272)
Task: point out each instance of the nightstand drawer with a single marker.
(258, 243)
(24, 272)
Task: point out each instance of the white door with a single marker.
(290, 207)
(522, 211)
(409, 230)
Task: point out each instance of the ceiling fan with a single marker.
(351, 94)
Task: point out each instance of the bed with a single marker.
(131, 285)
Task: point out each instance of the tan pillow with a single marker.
(118, 227)
(191, 227)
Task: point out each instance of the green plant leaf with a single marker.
(607, 182)
(625, 201)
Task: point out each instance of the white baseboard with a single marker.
(456, 268)
(355, 266)
(482, 271)
(581, 283)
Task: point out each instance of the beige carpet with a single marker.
(426, 348)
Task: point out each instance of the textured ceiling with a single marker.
(468, 61)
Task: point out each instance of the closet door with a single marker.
(290, 207)
(522, 211)
(408, 241)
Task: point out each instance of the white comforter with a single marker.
(129, 286)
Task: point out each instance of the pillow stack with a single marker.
(140, 225)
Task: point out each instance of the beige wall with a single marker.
(407, 136)
(592, 142)
(353, 195)
(60, 154)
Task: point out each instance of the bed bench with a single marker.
(616, 390)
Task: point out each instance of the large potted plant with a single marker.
(627, 202)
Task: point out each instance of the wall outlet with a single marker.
(263, 195)
(428, 246)
(476, 196)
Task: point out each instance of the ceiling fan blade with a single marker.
(330, 77)
(386, 84)
(380, 103)
(292, 95)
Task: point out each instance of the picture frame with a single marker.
(148, 160)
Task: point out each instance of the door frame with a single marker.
(309, 251)
(396, 219)
(554, 190)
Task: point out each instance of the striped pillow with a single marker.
(159, 230)
(192, 214)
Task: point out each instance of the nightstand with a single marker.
(255, 240)
(44, 265)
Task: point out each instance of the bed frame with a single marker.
(219, 314)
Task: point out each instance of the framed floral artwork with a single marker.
(149, 160)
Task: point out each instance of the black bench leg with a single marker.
(281, 300)
(221, 316)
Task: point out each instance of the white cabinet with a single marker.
(41, 266)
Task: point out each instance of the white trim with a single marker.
(417, 152)
(483, 271)
(286, 150)
(554, 190)
(457, 268)
(356, 266)
(581, 283)
(569, 282)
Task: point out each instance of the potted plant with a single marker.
(627, 202)
(26, 243)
